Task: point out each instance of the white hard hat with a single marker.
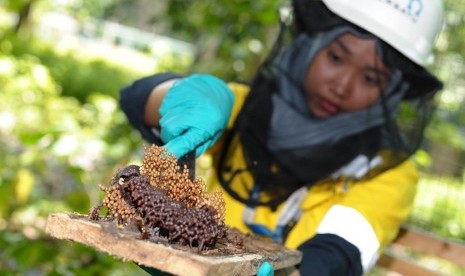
(410, 26)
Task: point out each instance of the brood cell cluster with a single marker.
(165, 203)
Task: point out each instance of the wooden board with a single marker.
(420, 242)
(427, 243)
(125, 244)
(403, 266)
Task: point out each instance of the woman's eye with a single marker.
(370, 80)
(332, 56)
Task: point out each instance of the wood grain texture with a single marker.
(126, 245)
(423, 243)
(426, 243)
(403, 266)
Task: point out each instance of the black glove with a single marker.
(328, 254)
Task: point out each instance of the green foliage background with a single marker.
(56, 148)
(62, 132)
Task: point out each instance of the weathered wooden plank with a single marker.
(403, 266)
(116, 241)
(422, 242)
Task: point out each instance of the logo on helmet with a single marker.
(413, 8)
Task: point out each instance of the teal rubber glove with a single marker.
(194, 114)
(265, 269)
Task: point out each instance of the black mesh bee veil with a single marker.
(376, 139)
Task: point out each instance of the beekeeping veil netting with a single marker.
(286, 147)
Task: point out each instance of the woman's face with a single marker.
(347, 75)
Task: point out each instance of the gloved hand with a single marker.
(194, 114)
(265, 269)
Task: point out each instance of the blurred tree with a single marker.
(447, 125)
(231, 37)
(80, 9)
(55, 152)
(23, 9)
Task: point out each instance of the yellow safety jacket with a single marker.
(366, 213)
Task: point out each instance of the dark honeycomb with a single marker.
(165, 202)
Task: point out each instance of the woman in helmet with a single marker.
(315, 153)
